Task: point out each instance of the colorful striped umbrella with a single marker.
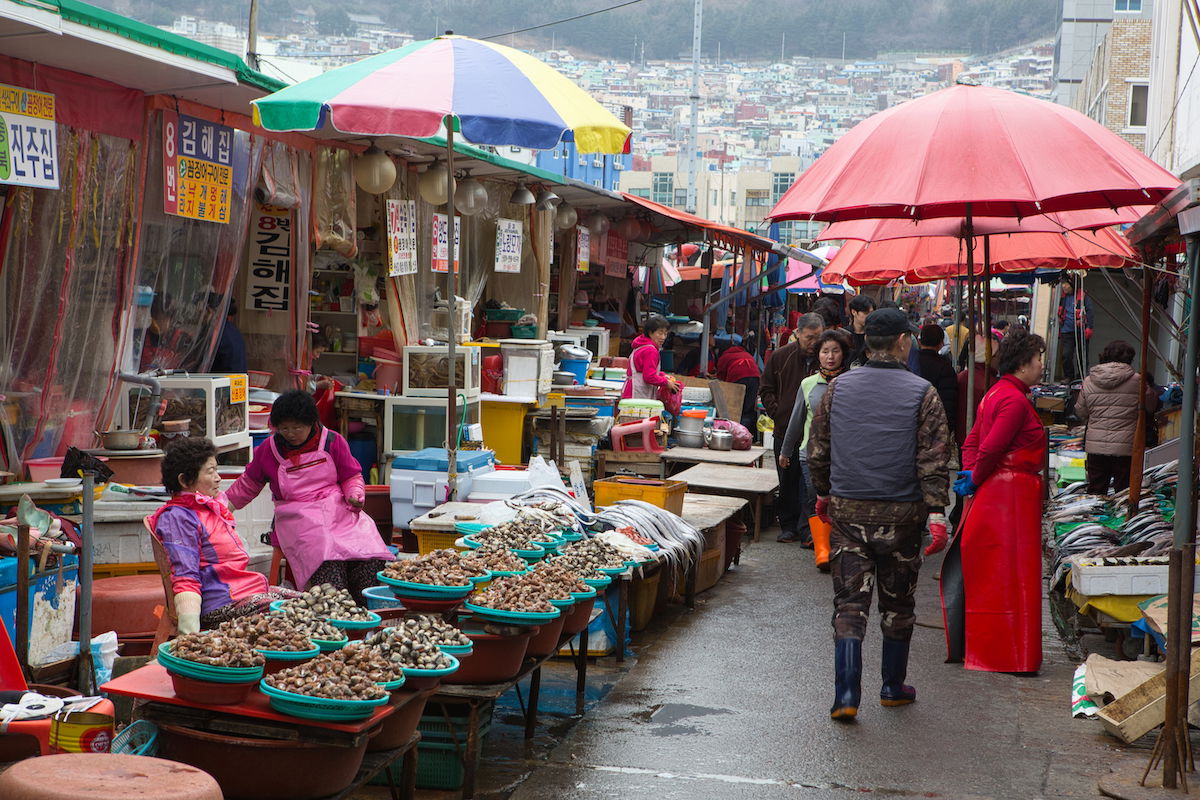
(500, 96)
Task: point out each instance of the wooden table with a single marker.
(478, 695)
(752, 483)
(702, 455)
(706, 511)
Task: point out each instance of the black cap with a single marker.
(888, 322)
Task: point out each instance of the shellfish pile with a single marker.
(519, 593)
(439, 568)
(408, 649)
(330, 602)
(308, 622)
(332, 676)
(264, 632)
(558, 580)
(216, 649)
(522, 533)
(586, 558)
(437, 629)
(496, 558)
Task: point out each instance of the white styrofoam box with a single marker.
(1131, 579)
(528, 366)
(696, 396)
(415, 492)
(504, 482)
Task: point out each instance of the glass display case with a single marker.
(215, 406)
(414, 423)
(427, 371)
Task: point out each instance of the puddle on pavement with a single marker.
(667, 718)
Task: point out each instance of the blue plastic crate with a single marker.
(436, 459)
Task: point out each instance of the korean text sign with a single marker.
(508, 245)
(583, 248)
(269, 285)
(197, 168)
(28, 140)
(402, 237)
(441, 242)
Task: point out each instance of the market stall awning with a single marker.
(724, 235)
(82, 38)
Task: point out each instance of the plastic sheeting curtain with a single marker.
(189, 264)
(67, 283)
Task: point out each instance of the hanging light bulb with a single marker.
(566, 217)
(470, 197)
(521, 196)
(547, 200)
(435, 184)
(374, 171)
(598, 224)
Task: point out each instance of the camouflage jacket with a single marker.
(935, 459)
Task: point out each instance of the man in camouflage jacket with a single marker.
(880, 454)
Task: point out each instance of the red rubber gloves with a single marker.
(823, 509)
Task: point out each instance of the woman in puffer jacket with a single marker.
(1108, 403)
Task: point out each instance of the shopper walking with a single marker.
(991, 579)
(833, 357)
(736, 365)
(936, 368)
(879, 454)
(860, 307)
(786, 368)
(1109, 404)
(1075, 322)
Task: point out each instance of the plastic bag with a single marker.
(543, 473)
(280, 184)
(335, 207)
(742, 440)
(104, 654)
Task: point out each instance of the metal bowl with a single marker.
(120, 440)
(689, 438)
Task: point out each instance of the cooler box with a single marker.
(419, 481)
(500, 484)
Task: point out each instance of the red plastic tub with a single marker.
(578, 617)
(400, 725)
(210, 693)
(494, 658)
(545, 641)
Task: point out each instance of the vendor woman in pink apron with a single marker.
(319, 493)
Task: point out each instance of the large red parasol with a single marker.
(973, 150)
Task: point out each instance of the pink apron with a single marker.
(313, 522)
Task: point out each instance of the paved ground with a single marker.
(731, 701)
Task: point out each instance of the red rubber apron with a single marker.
(313, 522)
(999, 545)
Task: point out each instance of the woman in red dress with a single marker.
(992, 575)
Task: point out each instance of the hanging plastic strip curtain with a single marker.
(189, 265)
(67, 281)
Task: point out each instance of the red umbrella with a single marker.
(928, 257)
(973, 150)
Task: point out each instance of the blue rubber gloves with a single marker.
(964, 486)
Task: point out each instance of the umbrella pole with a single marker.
(1139, 433)
(969, 232)
(451, 319)
(987, 307)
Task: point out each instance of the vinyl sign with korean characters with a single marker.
(269, 284)
(508, 245)
(28, 141)
(402, 237)
(583, 249)
(197, 168)
(441, 242)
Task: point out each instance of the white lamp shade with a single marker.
(629, 228)
(374, 171)
(435, 184)
(598, 224)
(567, 217)
(470, 197)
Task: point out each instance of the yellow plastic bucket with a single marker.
(80, 732)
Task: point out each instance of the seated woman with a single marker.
(319, 493)
(209, 572)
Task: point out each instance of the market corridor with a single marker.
(732, 701)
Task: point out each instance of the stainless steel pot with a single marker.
(120, 440)
(562, 378)
(690, 424)
(689, 438)
(718, 439)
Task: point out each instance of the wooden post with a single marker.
(542, 238)
(1137, 464)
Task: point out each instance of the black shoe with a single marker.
(805, 540)
(895, 691)
(847, 681)
(788, 536)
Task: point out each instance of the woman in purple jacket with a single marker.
(319, 493)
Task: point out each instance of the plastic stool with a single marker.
(126, 604)
(647, 429)
(105, 776)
